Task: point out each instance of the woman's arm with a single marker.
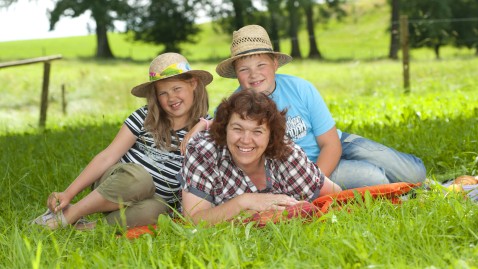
(330, 151)
(329, 187)
(95, 169)
(198, 209)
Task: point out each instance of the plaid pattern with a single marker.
(210, 173)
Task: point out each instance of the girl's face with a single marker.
(176, 97)
(257, 72)
(247, 141)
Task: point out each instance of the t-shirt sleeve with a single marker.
(198, 173)
(135, 121)
(320, 116)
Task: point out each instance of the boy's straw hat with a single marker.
(249, 40)
(168, 65)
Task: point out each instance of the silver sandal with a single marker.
(51, 220)
(54, 221)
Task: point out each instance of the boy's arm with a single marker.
(330, 151)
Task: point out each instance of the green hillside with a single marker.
(364, 30)
(360, 35)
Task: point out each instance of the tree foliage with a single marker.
(6, 3)
(465, 27)
(104, 13)
(230, 15)
(435, 23)
(165, 22)
(430, 23)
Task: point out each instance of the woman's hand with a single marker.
(57, 201)
(266, 201)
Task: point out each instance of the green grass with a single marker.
(437, 121)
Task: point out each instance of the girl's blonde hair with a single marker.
(159, 124)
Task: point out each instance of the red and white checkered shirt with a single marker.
(209, 172)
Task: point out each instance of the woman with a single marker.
(137, 171)
(244, 163)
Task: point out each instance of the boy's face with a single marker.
(257, 72)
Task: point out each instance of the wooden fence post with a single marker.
(44, 93)
(46, 80)
(404, 38)
(63, 98)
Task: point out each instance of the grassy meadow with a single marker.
(437, 121)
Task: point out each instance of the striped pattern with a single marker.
(161, 164)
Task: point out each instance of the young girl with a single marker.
(137, 171)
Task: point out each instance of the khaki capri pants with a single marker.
(131, 186)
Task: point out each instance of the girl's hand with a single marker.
(200, 126)
(57, 201)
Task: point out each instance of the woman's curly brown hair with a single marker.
(255, 106)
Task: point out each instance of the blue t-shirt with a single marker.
(307, 114)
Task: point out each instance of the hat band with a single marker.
(254, 50)
(172, 70)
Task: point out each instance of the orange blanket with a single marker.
(306, 210)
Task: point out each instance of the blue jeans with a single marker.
(367, 163)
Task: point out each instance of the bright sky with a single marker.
(27, 19)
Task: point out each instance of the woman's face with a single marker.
(257, 72)
(247, 141)
(176, 97)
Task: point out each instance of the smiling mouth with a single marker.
(245, 149)
(175, 105)
(256, 83)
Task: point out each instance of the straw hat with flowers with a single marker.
(168, 65)
(249, 40)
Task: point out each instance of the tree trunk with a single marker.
(394, 30)
(314, 52)
(275, 35)
(293, 30)
(103, 49)
(436, 48)
(238, 10)
(274, 31)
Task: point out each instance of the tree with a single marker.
(275, 18)
(394, 29)
(429, 23)
(6, 3)
(326, 9)
(104, 13)
(465, 25)
(294, 22)
(308, 6)
(230, 15)
(166, 22)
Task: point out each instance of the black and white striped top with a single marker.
(161, 164)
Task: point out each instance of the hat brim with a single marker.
(225, 68)
(143, 89)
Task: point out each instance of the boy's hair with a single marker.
(159, 124)
(251, 105)
(272, 56)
